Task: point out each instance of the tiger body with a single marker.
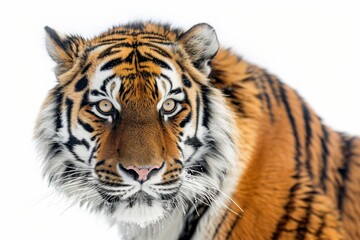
(173, 138)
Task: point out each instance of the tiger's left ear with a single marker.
(201, 43)
(63, 49)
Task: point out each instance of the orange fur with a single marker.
(276, 204)
(301, 178)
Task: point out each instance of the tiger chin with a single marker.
(170, 136)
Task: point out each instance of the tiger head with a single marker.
(133, 127)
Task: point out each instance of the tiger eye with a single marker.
(169, 106)
(105, 107)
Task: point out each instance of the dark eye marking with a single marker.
(175, 91)
(97, 93)
(81, 84)
(186, 81)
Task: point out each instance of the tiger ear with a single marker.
(63, 49)
(201, 43)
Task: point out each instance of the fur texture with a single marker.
(239, 156)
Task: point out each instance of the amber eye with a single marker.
(105, 107)
(169, 106)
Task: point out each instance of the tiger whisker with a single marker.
(215, 187)
(213, 197)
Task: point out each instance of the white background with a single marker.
(313, 45)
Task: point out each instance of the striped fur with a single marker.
(242, 155)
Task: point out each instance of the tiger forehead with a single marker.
(131, 55)
(138, 60)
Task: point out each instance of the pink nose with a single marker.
(143, 172)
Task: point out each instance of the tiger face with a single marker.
(129, 129)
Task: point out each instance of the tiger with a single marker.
(171, 136)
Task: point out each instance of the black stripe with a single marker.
(113, 50)
(186, 81)
(97, 93)
(102, 162)
(55, 149)
(267, 99)
(160, 63)
(308, 138)
(197, 113)
(179, 148)
(205, 92)
(292, 192)
(85, 99)
(113, 40)
(72, 139)
(156, 49)
(124, 94)
(160, 51)
(175, 91)
(106, 82)
(86, 68)
(162, 43)
(70, 146)
(81, 84)
(347, 153)
(86, 126)
(229, 93)
(302, 228)
(108, 53)
(69, 104)
(194, 142)
(155, 37)
(167, 79)
(185, 120)
(92, 154)
(308, 197)
(85, 143)
(325, 153)
(58, 111)
(220, 224)
(110, 64)
(192, 220)
(177, 161)
(233, 225)
(129, 58)
(155, 93)
(321, 227)
(272, 87)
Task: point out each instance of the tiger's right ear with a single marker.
(63, 49)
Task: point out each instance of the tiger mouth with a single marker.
(140, 197)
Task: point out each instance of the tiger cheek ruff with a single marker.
(170, 136)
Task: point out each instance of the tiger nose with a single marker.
(142, 173)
